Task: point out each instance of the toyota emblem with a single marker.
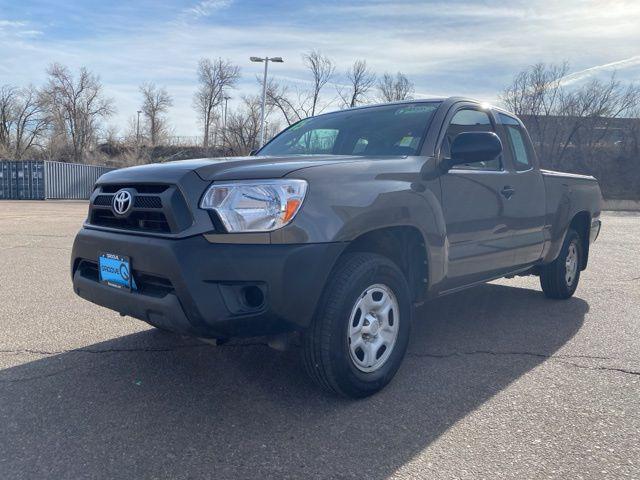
(122, 202)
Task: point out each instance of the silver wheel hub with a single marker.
(571, 264)
(373, 328)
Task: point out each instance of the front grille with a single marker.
(145, 201)
(147, 284)
(144, 221)
(140, 188)
(103, 200)
(158, 209)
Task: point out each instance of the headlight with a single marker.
(255, 205)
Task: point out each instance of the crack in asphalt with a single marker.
(610, 369)
(39, 247)
(105, 350)
(557, 358)
(491, 352)
(36, 377)
(124, 350)
(22, 235)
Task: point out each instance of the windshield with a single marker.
(385, 130)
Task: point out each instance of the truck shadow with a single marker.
(154, 405)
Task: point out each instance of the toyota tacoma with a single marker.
(335, 230)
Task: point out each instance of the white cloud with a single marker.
(205, 8)
(394, 9)
(11, 24)
(610, 67)
(466, 48)
(17, 28)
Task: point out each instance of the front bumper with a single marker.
(191, 286)
(595, 230)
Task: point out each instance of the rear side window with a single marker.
(517, 142)
(469, 120)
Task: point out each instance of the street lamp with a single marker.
(266, 61)
(226, 101)
(138, 128)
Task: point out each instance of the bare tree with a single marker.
(77, 105)
(293, 105)
(321, 69)
(155, 103)
(393, 89)
(243, 127)
(23, 120)
(538, 95)
(32, 121)
(214, 77)
(7, 115)
(361, 80)
(296, 103)
(562, 118)
(632, 142)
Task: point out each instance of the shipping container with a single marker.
(38, 179)
(71, 180)
(22, 180)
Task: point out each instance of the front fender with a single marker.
(348, 200)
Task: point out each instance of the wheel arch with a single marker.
(581, 223)
(405, 245)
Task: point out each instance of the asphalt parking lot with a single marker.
(498, 383)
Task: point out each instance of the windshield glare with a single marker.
(385, 130)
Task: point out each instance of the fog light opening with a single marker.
(253, 296)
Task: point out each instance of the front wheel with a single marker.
(560, 278)
(360, 331)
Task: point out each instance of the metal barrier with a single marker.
(38, 179)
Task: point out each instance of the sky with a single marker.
(470, 48)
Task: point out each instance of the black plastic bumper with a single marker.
(595, 230)
(195, 287)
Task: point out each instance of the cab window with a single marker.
(469, 120)
(517, 142)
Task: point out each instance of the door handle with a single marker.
(507, 192)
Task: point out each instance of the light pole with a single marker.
(138, 128)
(224, 115)
(224, 121)
(266, 61)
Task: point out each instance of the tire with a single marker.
(560, 278)
(157, 327)
(379, 334)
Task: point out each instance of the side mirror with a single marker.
(474, 147)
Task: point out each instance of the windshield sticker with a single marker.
(414, 109)
(300, 124)
(405, 142)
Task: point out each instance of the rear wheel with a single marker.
(560, 278)
(360, 331)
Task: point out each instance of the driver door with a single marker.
(473, 202)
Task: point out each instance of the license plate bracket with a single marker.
(115, 271)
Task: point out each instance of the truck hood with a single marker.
(224, 168)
